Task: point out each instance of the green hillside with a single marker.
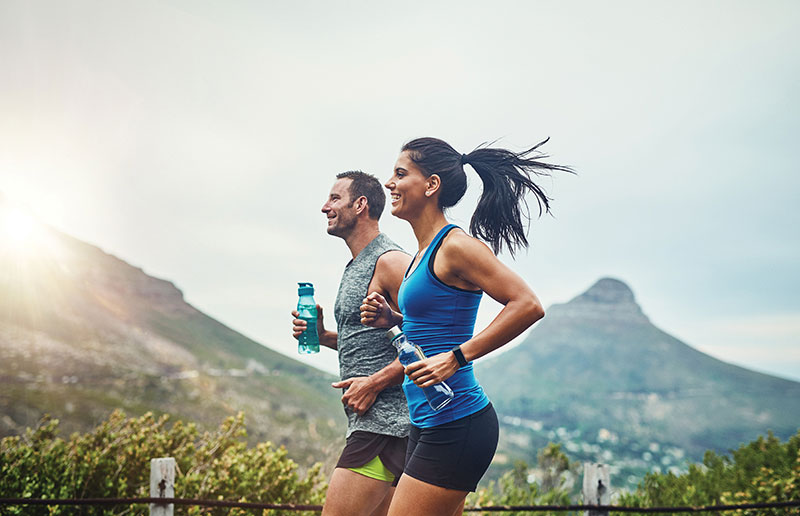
(598, 377)
(83, 333)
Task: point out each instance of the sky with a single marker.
(198, 140)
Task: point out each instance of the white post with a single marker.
(596, 487)
(162, 485)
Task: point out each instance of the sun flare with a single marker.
(22, 236)
(34, 273)
(19, 228)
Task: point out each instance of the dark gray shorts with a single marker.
(362, 447)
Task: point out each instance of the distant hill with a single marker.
(83, 332)
(596, 375)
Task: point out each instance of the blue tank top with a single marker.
(437, 318)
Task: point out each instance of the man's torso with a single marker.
(363, 350)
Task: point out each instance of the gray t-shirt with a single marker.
(363, 350)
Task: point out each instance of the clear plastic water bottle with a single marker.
(437, 395)
(308, 341)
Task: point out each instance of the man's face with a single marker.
(340, 209)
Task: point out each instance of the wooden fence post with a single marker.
(162, 485)
(596, 487)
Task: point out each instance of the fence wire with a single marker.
(318, 508)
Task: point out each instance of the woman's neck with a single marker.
(426, 226)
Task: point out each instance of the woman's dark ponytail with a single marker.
(507, 177)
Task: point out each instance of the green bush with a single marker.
(763, 471)
(113, 461)
(513, 488)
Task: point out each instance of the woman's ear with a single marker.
(432, 185)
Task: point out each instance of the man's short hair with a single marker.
(366, 185)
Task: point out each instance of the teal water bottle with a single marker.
(308, 342)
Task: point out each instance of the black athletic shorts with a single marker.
(454, 455)
(362, 447)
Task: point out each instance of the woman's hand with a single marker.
(376, 312)
(433, 370)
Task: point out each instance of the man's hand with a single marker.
(300, 325)
(326, 338)
(376, 312)
(360, 393)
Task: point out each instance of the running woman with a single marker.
(450, 450)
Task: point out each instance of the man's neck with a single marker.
(361, 237)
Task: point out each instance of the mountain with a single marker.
(596, 375)
(82, 333)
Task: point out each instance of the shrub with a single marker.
(762, 471)
(513, 487)
(113, 461)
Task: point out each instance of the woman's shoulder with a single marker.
(458, 244)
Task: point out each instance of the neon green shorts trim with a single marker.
(375, 469)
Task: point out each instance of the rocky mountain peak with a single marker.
(608, 298)
(607, 291)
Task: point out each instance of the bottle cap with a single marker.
(394, 332)
(305, 289)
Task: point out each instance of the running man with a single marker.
(377, 415)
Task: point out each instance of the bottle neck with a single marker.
(399, 341)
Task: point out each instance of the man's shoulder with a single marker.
(383, 244)
(393, 261)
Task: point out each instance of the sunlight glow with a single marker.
(23, 237)
(19, 228)
(34, 268)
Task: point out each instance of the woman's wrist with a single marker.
(459, 357)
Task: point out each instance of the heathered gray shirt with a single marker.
(364, 351)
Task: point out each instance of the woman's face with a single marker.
(407, 188)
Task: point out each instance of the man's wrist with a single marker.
(377, 381)
(328, 338)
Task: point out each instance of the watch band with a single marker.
(460, 356)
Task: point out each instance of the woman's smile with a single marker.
(406, 187)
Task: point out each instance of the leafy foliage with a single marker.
(514, 487)
(762, 471)
(113, 461)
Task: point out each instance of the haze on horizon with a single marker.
(198, 140)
